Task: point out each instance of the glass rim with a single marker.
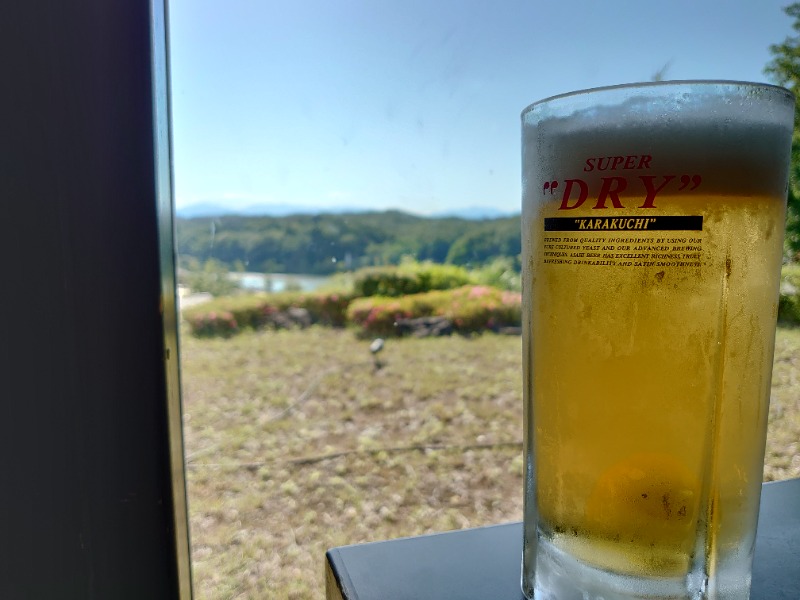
(652, 84)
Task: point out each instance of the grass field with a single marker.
(296, 442)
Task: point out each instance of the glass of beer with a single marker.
(652, 224)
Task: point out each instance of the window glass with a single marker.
(317, 144)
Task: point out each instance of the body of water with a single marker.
(279, 282)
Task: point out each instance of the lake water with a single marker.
(279, 282)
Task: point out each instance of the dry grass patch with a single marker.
(296, 443)
(782, 459)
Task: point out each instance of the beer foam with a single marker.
(736, 136)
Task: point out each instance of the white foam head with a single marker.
(735, 135)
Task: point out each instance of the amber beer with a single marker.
(653, 221)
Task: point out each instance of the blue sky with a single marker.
(414, 104)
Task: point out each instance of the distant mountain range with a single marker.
(210, 209)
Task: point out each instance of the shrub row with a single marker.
(226, 316)
(213, 324)
(469, 308)
(377, 304)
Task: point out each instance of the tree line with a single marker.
(328, 243)
(784, 69)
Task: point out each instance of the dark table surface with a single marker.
(484, 563)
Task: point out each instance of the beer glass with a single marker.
(653, 219)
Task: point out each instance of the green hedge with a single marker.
(409, 278)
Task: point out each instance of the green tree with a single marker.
(480, 245)
(785, 70)
(326, 244)
(212, 278)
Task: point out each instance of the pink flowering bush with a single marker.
(479, 308)
(326, 308)
(377, 315)
(213, 324)
(264, 311)
(469, 308)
